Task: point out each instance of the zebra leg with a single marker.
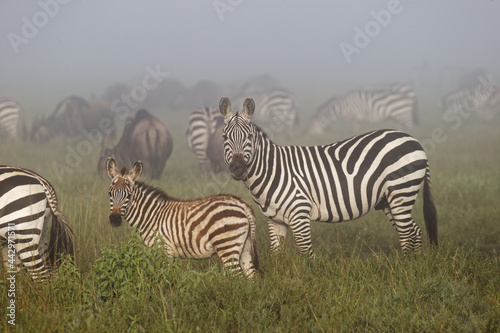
(410, 235)
(277, 234)
(301, 228)
(232, 263)
(33, 260)
(247, 265)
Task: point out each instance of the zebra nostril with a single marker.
(115, 220)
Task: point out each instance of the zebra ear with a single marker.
(248, 108)
(111, 168)
(225, 108)
(136, 170)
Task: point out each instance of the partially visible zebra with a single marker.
(219, 224)
(278, 108)
(372, 104)
(11, 119)
(293, 185)
(27, 201)
(482, 99)
(203, 125)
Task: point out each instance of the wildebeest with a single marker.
(72, 117)
(144, 138)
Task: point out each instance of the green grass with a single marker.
(358, 282)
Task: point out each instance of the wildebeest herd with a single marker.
(292, 185)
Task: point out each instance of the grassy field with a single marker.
(358, 282)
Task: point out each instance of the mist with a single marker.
(51, 49)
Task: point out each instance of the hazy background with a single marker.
(87, 46)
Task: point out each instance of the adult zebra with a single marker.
(278, 108)
(11, 119)
(27, 200)
(293, 185)
(203, 124)
(482, 99)
(219, 224)
(371, 104)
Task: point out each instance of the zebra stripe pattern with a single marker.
(482, 99)
(293, 185)
(220, 224)
(278, 108)
(27, 201)
(203, 123)
(10, 118)
(371, 104)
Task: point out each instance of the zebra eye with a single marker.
(250, 136)
(224, 137)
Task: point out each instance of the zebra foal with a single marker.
(342, 181)
(218, 224)
(27, 201)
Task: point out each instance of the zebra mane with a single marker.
(160, 193)
(164, 196)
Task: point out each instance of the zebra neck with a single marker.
(144, 197)
(265, 153)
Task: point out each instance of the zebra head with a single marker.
(238, 136)
(121, 189)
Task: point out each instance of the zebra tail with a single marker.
(61, 238)
(430, 213)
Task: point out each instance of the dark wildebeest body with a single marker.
(144, 138)
(72, 117)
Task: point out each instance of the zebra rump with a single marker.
(27, 200)
(12, 124)
(204, 138)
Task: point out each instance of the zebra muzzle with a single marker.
(115, 220)
(237, 167)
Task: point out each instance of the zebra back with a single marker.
(372, 104)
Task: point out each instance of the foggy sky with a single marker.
(81, 47)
